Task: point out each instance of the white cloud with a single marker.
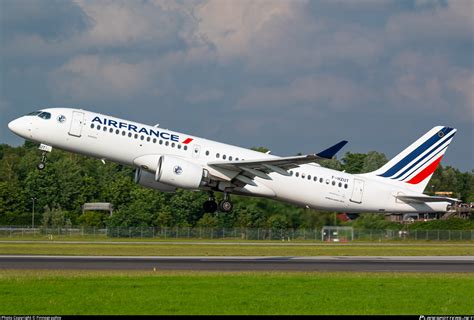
(453, 21)
(234, 26)
(315, 92)
(89, 76)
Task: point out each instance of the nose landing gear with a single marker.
(45, 149)
(42, 164)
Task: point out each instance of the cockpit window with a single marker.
(45, 115)
(34, 113)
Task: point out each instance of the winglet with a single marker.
(331, 151)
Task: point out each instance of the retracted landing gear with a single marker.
(210, 205)
(226, 205)
(45, 149)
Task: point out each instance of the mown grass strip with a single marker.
(76, 292)
(190, 249)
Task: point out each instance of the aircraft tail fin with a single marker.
(416, 164)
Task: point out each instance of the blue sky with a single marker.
(294, 76)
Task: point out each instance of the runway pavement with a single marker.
(334, 263)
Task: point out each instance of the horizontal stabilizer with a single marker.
(427, 199)
(331, 151)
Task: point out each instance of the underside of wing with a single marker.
(422, 199)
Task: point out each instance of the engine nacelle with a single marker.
(179, 172)
(147, 179)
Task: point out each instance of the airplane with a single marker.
(166, 160)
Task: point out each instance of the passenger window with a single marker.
(315, 179)
(334, 183)
(148, 139)
(309, 177)
(179, 146)
(173, 145)
(105, 129)
(345, 186)
(297, 174)
(98, 127)
(207, 152)
(123, 133)
(230, 158)
(161, 141)
(111, 130)
(167, 143)
(340, 184)
(92, 126)
(136, 136)
(154, 140)
(224, 156)
(217, 155)
(321, 180)
(117, 131)
(185, 147)
(129, 134)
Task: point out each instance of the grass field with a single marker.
(223, 249)
(90, 292)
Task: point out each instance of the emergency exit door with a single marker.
(76, 124)
(358, 191)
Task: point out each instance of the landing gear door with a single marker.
(76, 124)
(358, 191)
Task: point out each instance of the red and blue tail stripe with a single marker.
(417, 163)
(441, 135)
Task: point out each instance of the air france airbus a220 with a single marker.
(166, 160)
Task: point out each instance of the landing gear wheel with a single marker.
(226, 206)
(42, 163)
(210, 206)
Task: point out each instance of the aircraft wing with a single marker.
(246, 170)
(427, 199)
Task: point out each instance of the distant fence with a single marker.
(235, 234)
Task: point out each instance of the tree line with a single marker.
(70, 180)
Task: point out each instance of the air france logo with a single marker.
(133, 128)
(177, 170)
(61, 118)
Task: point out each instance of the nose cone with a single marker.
(19, 127)
(14, 126)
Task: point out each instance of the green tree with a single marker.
(353, 162)
(373, 161)
(92, 219)
(208, 220)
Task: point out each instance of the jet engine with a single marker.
(180, 173)
(147, 179)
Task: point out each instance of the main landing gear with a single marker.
(225, 205)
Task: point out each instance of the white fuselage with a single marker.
(310, 185)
